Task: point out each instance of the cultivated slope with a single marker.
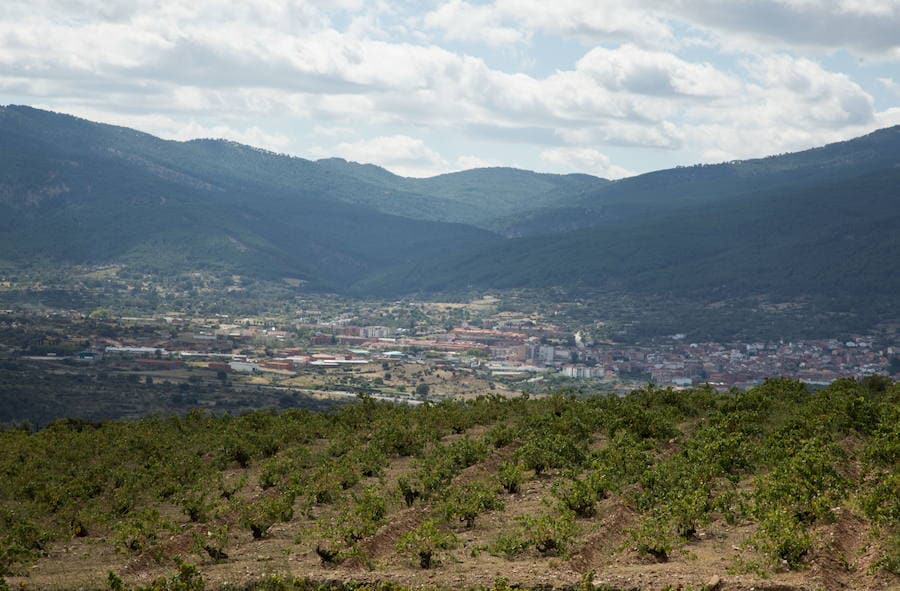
(773, 488)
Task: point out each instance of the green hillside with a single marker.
(491, 198)
(77, 192)
(819, 223)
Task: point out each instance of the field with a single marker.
(777, 487)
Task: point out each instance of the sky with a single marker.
(610, 88)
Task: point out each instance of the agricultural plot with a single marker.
(774, 487)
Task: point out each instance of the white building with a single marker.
(244, 367)
(581, 371)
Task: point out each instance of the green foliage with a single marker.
(548, 534)
(510, 477)
(890, 555)
(140, 530)
(440, 465)
(778, 456)
(21, 540)
(509, 545)
(550, 451)
(501, 435)
(579, 495)
(783, 538)
(196, 504)
(410, 490)
(622, 462)
(259, 516)
(336, 539)
(401, 440)
(187, 578)
(655, 537)
(465, 503)
(214, 542)
(425, 543)
(806, 484)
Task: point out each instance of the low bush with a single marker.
(425, 543)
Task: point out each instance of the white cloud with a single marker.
(401, 154)
(787, 104)
(175, 129)
(890, 84)
(631, 69)
(241, 70)
(591, 21)
(865, 26)
(810, 96)
(461, 21)
(467, 162)
(583, 160)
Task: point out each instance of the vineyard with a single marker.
(777, 487)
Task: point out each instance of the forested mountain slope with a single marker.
(72, 191)
(820, 222)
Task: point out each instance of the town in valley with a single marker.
(408, 351)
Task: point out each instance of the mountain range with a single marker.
(821, 222)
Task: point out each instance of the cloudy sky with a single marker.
(612, 88)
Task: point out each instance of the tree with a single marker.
(422, 389)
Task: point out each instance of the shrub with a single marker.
(140, 530)
(213, 543)
(468, 502)
(337, 540)
(237, 451)
(550, 450)
(272, 472)
(410, 489)
(579, 495)
(501, 435)
(890, 557)
(783, 538)
(425, 542)
(510, 477)
(622, 462)
(261, 515)
(509, 545)
(196, 505)
(333, 543)
(654, 537)
(187, 578)
(548, 534)
(807, 484)
(881, 502)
